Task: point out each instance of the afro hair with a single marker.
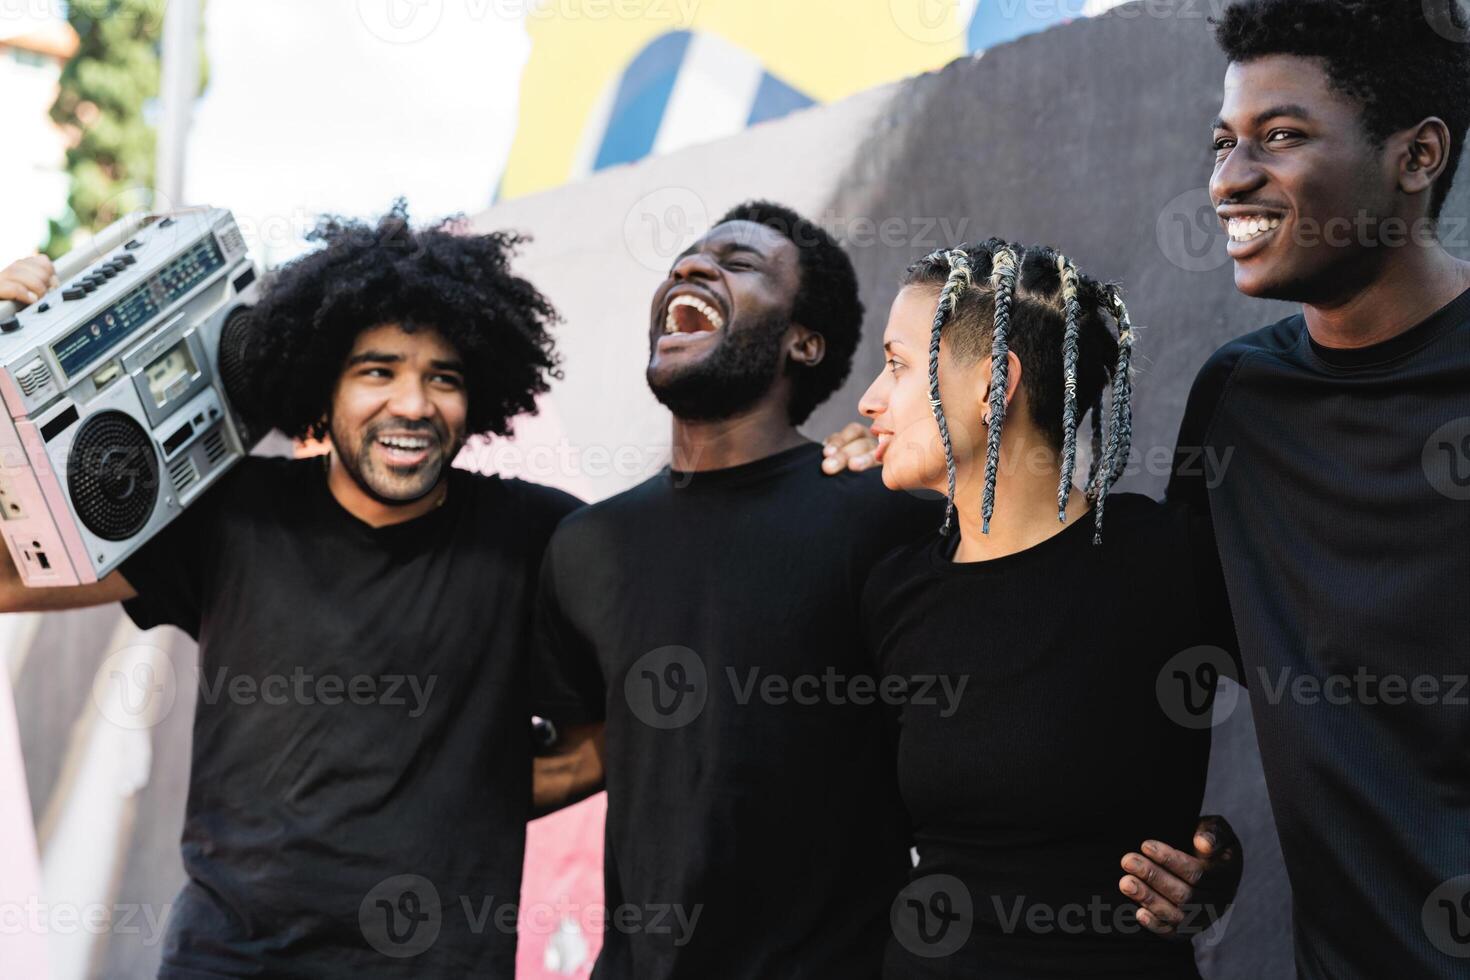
(312, 309)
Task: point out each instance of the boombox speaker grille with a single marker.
(234, 352)
(112, 473)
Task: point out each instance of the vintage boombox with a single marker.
(116, 417)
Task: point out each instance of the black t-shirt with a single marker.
(361, 758)
(1339, 485)
(711, 618)
(1048, 676)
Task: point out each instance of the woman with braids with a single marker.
(1059, 625)
(361, 755)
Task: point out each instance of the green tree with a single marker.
(105, 93)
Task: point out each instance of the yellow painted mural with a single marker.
(609, 81)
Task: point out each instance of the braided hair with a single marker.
(1035, 301)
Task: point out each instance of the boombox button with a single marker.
(73, 293)
(9, 326)
(127, 259)
(133, 244)
(107, 271)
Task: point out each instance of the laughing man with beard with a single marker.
(705, 625)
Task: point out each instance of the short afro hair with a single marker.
(1402, 60)
(826, 300)
(312, 309)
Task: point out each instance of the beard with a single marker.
(729, 379)
(392, 485)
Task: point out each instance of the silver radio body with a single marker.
(116, 418)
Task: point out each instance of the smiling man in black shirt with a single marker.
(361, 757)
(706, 624)
(1340, 504)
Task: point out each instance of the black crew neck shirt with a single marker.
(1339, 486)
(361, 754)
(711, 619)
(1024, 789)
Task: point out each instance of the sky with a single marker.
(341, 105)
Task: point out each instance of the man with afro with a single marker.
(362, 754)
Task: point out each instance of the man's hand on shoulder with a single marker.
(850, 449)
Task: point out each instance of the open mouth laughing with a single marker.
(690, 317)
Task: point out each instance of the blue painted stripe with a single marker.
(643, 95)
(774, 99)
(998, 21)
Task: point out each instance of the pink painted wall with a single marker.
(561, 895)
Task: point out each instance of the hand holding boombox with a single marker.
(114, 370)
